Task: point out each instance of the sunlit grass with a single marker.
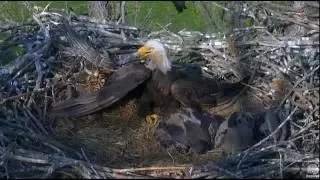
(163, 13)
(144, 14)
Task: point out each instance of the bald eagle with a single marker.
(171, 88)
(166, 85)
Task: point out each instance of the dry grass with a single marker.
(119, 138)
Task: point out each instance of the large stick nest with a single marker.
(66, 55)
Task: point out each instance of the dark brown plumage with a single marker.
(186, 86)
(120, 84)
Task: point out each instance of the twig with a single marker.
(296, 84)
(86, 158)
(219, 169)
(220, 6)
(150, 169)
(22, 95)
(37, 121)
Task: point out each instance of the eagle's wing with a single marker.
(195, 90)
(190, 88)
(192, 93)
(121, 83)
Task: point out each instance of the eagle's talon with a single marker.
(152, 119)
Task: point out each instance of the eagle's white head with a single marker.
(155, 54)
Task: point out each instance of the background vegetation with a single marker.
(148, 15)
(138, 13)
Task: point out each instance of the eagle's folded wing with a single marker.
(121, 83)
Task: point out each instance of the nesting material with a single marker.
(67, 58)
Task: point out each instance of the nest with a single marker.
(281, 48)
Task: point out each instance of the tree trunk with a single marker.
(98, 10)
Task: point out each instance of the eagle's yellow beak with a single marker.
(143, 52)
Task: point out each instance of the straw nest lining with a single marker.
(59, 64)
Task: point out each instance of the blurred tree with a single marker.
(106, 11)
(98, 10)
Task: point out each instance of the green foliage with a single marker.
(248, 22)
(14, 10)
